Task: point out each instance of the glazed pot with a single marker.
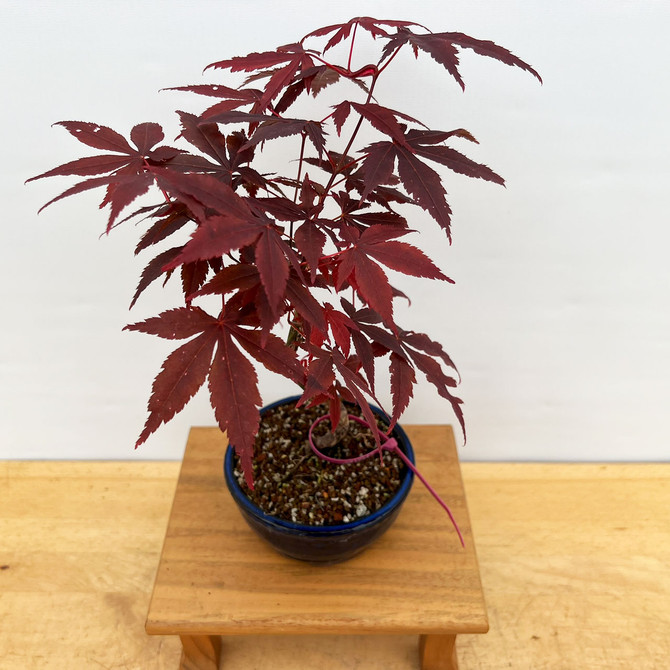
(321, 544)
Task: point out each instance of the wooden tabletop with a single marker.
(217, 577)
(575, 564)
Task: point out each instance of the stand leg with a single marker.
(438, 652)
(200, 652)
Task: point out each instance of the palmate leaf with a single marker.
(145, 211)
(280, 208)
(422, 342)
(191, 163)
(402, 378)
(154, 270)
(425, 186)
(443, 48)
(85, 167)
(97, 136)
(232, 278)
(145, 136)
(310, 241)
(235, 142)
(176, 324)
(272, 265)
(310, 192)
(193, 276)
(320, 378)
(129, 176)
(433, 371)
(343, 30)
(423, 136)
(233, 382)
(383, 340)
(310, 80)
(203, 192)
(408, 350)
(283, 78)
(185, 369)
(357, 267)
(435, 375)
(173, 217)
(341, 114)
(419, 180)
(423, 143)
(340, 326)
(384, 120)
(216, 237)
(319, 79)
(387, 218)
(243, 96)
(457, 162)
(86, 185)
(271, 127)
(369, 279)
(290, 95)
(292, 58)
(385, 196)
(404, 258)
(366, 355)
(305, 304)
(271, 351)
(233, 390)
(121, 194)
(442, 51)
(275, 128)
(232, 378)
(491, 50)
(378, 166)
(183, 373)
(428, 364)
(206, 137)
(253, 61)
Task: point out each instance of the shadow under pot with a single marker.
(322, 544)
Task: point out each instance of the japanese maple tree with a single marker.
(304, 247)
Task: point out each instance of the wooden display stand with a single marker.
(217, 578)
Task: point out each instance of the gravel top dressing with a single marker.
(294, 484)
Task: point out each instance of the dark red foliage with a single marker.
(309, 247)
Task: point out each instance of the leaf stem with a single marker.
(338, 168)
(299, 176)
(391, 57)
(163, 191)
(351, 48)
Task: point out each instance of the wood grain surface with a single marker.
(574, 561)
(215, 577)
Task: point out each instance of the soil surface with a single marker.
(294, 484)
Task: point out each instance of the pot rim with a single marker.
(253, 509)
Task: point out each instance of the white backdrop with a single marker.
(560, 316)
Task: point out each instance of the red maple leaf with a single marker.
(443, 47)
(292, 58)
(343, 30)
(127, 176)
(402, 383)
(377, 241)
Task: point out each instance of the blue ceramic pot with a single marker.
(321, 544)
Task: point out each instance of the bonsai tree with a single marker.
(304, 247)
